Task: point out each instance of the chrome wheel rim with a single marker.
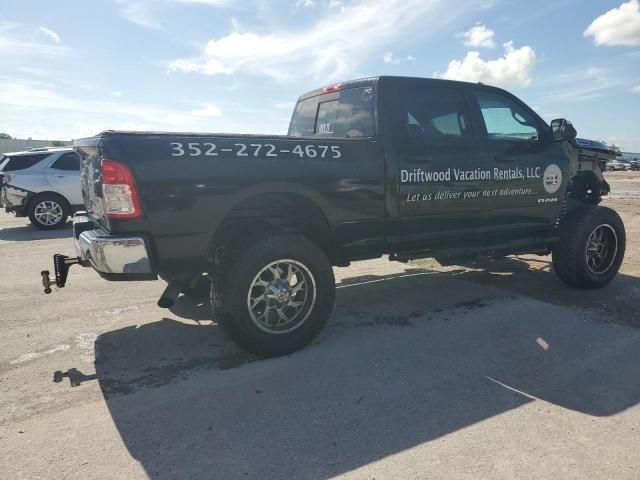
(601, 249)
(281, 296)
(48, 213)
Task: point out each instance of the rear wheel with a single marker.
(48, 211)
(591, 248)
(274, 296)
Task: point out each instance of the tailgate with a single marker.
(90, 157)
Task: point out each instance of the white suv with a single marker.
(41, 183)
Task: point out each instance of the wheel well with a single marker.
(36, 196)
(585, 188)
(276, 211)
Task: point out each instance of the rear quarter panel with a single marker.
(186, 197)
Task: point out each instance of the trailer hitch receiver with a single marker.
(61, 264)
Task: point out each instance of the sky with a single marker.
(70, 69)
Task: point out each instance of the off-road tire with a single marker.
(571, 255)
(38, 219)
(232, 288)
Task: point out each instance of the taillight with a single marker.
(333, 88)
(119, 191)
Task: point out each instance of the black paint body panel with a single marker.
(186, 198)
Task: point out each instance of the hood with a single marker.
(593, 145)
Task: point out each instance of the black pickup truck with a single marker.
(407, 167)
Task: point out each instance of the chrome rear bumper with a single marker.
(109, 254)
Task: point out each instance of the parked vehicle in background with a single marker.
(409, 167)
(41, 183)
(615, 165)
(628, 163)
(634, 165)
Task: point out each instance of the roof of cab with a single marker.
(371, 81)
(358, 83)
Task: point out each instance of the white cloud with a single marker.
(619, 26)
(390, 58)
(285, 105)
(636, 89)
(331, 48)
(25, 102)
(627, 143)
(208, 67)
(144, 12)
(304, 3)
(211, 3)
(140, 13)
(207, 111)
(580, 85)
(50, 33)
(479, 36)
(514, 68)
(16, 41)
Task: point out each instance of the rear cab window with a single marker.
(345, 114)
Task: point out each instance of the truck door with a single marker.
(64, 177)
(528, 169)
(440, 169)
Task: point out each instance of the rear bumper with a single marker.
(113, 257)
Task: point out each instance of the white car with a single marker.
(615, 165)
(41, 183)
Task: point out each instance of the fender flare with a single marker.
(277, 188)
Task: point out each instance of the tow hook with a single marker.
(61, 264)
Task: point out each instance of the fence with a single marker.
(18, 145)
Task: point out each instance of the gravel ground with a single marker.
(490, 370)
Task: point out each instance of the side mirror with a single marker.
(563, 129)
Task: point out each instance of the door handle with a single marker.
(503, 159)
(59, 176)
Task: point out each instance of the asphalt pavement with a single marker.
(490, 370)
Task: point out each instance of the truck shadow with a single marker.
(405, 360)
(29, 232)
(533, 277)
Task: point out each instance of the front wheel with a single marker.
(275, 295)
(591, 248)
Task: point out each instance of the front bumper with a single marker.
(113, 257)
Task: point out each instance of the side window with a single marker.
(436, 112)
(22, 162)
(505, 119)
(69, 161)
